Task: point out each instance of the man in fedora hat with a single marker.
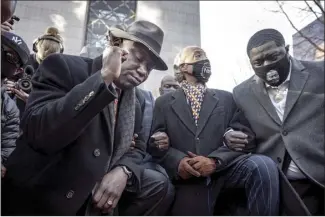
(75, 156)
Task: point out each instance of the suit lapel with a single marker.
(210, 101)
(182, 110)
(263, 98)
(298, 79)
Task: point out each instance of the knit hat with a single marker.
(263, 36)
(16, 43)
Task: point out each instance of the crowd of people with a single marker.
(79, 137)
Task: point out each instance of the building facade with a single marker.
(84, 24)
(302, 48)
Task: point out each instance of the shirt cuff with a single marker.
(230, 130)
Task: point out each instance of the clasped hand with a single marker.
(197, 166)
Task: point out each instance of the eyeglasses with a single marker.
(11, 57)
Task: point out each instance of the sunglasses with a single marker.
(11, 58)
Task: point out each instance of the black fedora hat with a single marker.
(146, 33)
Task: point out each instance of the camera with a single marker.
(13, 19)
(25, 82)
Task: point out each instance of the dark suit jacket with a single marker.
(148, 113)
(67, 137)
(172, 115)
(302, 132)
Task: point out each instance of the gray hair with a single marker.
(179, 77)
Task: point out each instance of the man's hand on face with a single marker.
(185, 171)
(160, 140)
(112, 61)
(236, 140)
(109, 191)
(205, 166)
(6, 26)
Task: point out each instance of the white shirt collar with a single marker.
(288, 78)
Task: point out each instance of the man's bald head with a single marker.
(168, 84)
(167, 79)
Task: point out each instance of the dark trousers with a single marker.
(311, 194)
(154, 198)
(254, 180)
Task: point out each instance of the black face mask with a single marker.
(202, 70)
(275, 73)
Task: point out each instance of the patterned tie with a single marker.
(195, 95)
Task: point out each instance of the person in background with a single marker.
(168, 84)
(195, 119)
(284, 104)
(7, 10)
(14, 54)
(49, 43)
(74, 157)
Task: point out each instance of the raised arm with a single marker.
(59, 109)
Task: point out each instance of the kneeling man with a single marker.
(284, 104)
(195, 119)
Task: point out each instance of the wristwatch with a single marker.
(127, 172)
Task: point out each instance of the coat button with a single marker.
(70, 194)
(279, 159)
(284, 133)
(96, 152)
(197, 139)
(77, 107)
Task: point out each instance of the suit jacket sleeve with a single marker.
(240, 123)
(147, 115)
(133, 160)
(58, 109)
(237, 121)
(171, 158)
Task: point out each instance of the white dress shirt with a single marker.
(278, 97)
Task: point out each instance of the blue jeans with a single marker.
(258, 176)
